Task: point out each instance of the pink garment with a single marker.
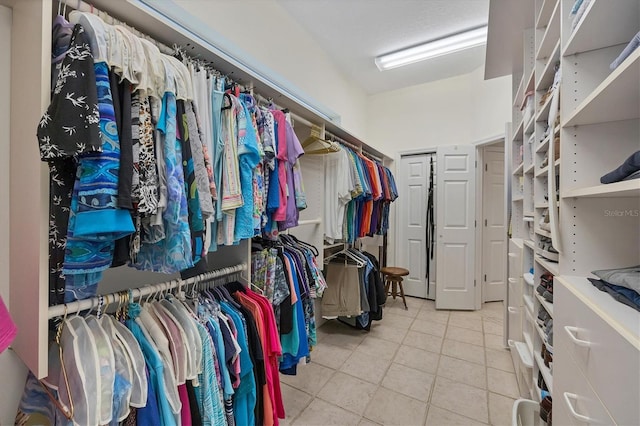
(273, 351)
(281, 212)
(8, 329)
(185, 412)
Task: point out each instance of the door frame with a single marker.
(480, 147)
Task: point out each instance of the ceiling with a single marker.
(354, 32)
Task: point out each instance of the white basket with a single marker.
(526, 413)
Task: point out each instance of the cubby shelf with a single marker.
(545, 13)
(546, 76)
(604, 23)
(546, 372)
(614, 99)
(548, 306)
(627, 188)
(551, 34)
(548, 265)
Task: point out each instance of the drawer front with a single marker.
(515, 323)
(515, 291)
(515, 260)
(608, 361)
(574, 401)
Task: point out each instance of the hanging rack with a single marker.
(111, 298)
(331, 136)
(82, 6)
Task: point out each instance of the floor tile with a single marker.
(310, 378)
(396, 321)
(428, 327)
(417, 358)
(462, 371)
(500, 409)
(329, 355)
(366, 422)
(502, 382)
(386, 332)
(493, 309)
(492, 328)
(345, 341)
(460, 398)
(465, 351)
(366, 367)
(439, 417)
(322, 413)
(348, 392)
(423, 341)
(500, 359)
(468, 320)
(391, 408)
(378, 347)
(428, 314)
(492, 341)
(464, 335)
(415, 302)
(295, 400)
(408, 381)
(397, 308)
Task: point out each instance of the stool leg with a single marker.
(395, 289)
(402, 294)
(387, 283)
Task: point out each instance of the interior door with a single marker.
(455, 221)
(493, 231)
(413, 175)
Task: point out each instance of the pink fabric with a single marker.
(274, 351)
(8, 329)
(185, 412)
(281, 212)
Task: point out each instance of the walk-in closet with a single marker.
(302, 212)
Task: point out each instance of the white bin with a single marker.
(526, 413)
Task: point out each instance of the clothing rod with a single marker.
(295, 116)
(353, 146)
(82, 6)
(310, 222)
(81, 305)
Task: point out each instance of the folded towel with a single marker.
(628, 50)
(8, 329)
(621, 294)
(630, 166)
(625, 277)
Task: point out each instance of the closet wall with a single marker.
(269, 35)
(458, 110)
(11, 368)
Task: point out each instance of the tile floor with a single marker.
(415, 367)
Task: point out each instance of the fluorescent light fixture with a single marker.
(433, 49)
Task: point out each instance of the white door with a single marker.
(413, 176)
(493, 231)
(455, 221)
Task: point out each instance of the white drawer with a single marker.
(515, 264)
(609, 362)
(574, 401)
(515, 291)
(515, 323)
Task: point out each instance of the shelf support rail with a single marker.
(107, 299)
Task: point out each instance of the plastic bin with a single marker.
(526, 413)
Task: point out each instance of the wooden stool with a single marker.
(393, 278)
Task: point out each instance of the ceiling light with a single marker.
(433, 49)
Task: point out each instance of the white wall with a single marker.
(12, 370)
(268, 34)
(458, 110)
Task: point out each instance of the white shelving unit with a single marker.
(595, 226)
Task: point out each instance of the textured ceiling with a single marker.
(354, 32)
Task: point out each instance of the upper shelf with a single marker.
(616, 98)
(545, 13)
(604, 23)
(548, 73)
(551, 35)
(627, 188)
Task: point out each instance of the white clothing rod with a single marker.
(82, 6)
(81, 305)
(317, 221)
